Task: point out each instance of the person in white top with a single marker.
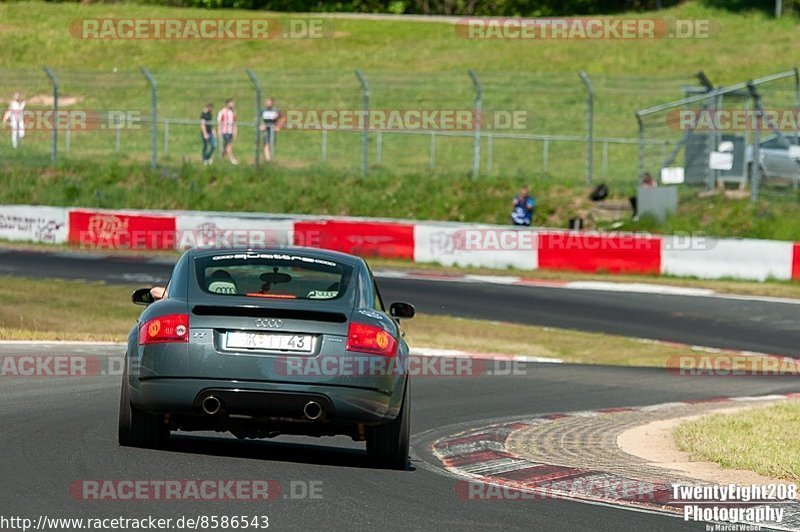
(226, 121)
(14, 116)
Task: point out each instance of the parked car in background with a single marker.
(776, 164)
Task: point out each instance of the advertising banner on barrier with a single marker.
(711, 258)
(450, 244)
(796, 261)
(599, 252)
(478, 246)
(120, 230)
(209, 230)
(368, 239)
(33, 223)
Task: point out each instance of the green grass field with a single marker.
(764, 440)
(409, 65)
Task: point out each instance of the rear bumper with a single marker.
(256, 403)
(341, 404)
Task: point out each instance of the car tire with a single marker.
(137, 428)
(388, 444)
(124, 419)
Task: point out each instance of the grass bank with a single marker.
(410, 65)
(322, 190)
(764, 440)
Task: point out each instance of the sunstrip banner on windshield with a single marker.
(450, 244)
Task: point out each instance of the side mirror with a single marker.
(402, 310)
(142, 296)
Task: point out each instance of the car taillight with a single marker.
(370, 339)
(172, 328)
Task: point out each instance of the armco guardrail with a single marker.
(491, 246)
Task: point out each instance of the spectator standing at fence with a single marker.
(15, 117)
(522, 208)
(226, 122)
(272, 122)
(207, 130)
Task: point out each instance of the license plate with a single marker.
(298, 343)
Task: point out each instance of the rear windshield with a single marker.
(272, 276)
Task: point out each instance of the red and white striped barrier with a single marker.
(451, 244)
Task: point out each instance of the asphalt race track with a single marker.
(56, 431)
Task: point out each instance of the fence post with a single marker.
(433, 149)
(545, 154)
(605, 159)
(640, 158)
(54, 133)
(755, 167)
(476, 139)
(796, 101)
(710, 175)
(166, 137)
(153, 117)
(719, 101)
(365, 131)
(489, 152)
(589, 126)
(257, 86)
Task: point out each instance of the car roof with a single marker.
(334, 256)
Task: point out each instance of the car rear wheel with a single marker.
(388, 444)
(137, 428)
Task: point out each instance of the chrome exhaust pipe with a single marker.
(211, 405)
(312, 410)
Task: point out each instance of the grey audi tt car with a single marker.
(267, 342)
